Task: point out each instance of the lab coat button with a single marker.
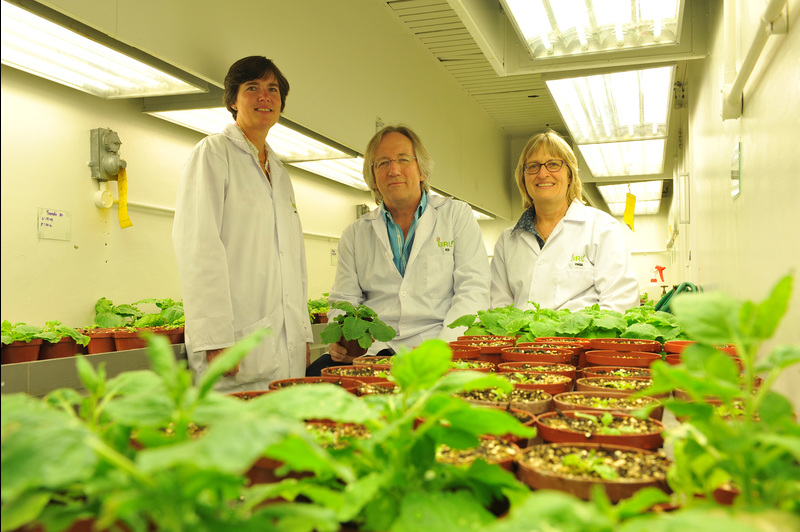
(403, 293)
(539, 262)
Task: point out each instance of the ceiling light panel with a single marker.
(644, 157)
(40, 47)
(642, 208)
(614, 107)
(573, 27)
(643, 190)
(345, 171)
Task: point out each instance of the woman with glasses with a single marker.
(561, 254)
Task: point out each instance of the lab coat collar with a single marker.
(233, 133)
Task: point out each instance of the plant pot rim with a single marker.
(626, 344)
(647, 440)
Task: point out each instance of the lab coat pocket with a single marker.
(262, 360)
(573, 281)
(439, 280)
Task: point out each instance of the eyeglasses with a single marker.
(552, 166)
(384, 164)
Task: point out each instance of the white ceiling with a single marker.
(474, 42)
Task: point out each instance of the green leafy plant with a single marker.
(603, 424)
(53, 331)
(359, 323)
(19, 332)
(169, 315)
(318, 306)
(591, 464)
(108, 315)
(757, 452)
(590, 322)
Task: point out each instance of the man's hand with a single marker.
(211, 354)
(338, 353)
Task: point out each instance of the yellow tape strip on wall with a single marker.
(630, 205)
(122, 185)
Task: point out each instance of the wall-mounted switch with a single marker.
(105, 163)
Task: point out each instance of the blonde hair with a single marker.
(552, 143)
(424, 161)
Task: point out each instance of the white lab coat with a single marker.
(585, 261)
(241, 261)
(447, 275)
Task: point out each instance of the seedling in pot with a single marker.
(359, 323)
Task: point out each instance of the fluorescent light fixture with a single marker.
(292, 146)
(60, 49)
(345, 171)
(572, 27)
(618, 106)
(642, 157)
(479, 215)
(648, 197)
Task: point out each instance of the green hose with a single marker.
(664, 303)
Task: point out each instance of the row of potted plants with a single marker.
(176, 454)
(115, 328)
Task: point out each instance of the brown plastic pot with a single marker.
(65, 347)
(625, 344)
(616, 489)
(20, 351)
(465, 352)
(536, 355)
(347, 383)
(490, 347)
(650, 440)
(635, 359)
(558, 369)
(352, 373)
(125, 339)
(607, 371)
(553, 388)
(578, 349)
(592, 384)
(561, 403)
(100, 341)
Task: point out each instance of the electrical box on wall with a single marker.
(105, 163)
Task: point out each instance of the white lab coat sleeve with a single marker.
(199, 251)
(615, 278)
(471, 276)
(501, 295)
(346, 286)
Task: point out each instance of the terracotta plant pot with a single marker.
(547, 382)
(550, 434)
(175, 335)
(677, 346)
(490, 346)
(20, 351)
(363, 374)
(605, 401)
(672, 358)
(472, 365)
(536, 355)
(635, 359)
(125, 339)
(566, 370)
(465, 457)
(375, 388)
(625, 344)
(535, 407)
(100, 341)
(348, 384)
(248, 396)
(581, 486)
(615, 371)
(578, 349)
(320, 317)
(65, 347)
(465, 352)
(524, 417)
(373, 361)
(353, 348)
(606, 384)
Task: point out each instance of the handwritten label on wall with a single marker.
(55, 225)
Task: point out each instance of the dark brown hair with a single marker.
(249, 69)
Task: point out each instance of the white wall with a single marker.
(742, 246)
(45, 155)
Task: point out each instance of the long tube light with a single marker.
(573, 27)
(48, 44)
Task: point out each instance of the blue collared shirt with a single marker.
(526, 223)
(401, 246)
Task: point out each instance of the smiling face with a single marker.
(258, 104)
(547, 189)
(400, 186)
